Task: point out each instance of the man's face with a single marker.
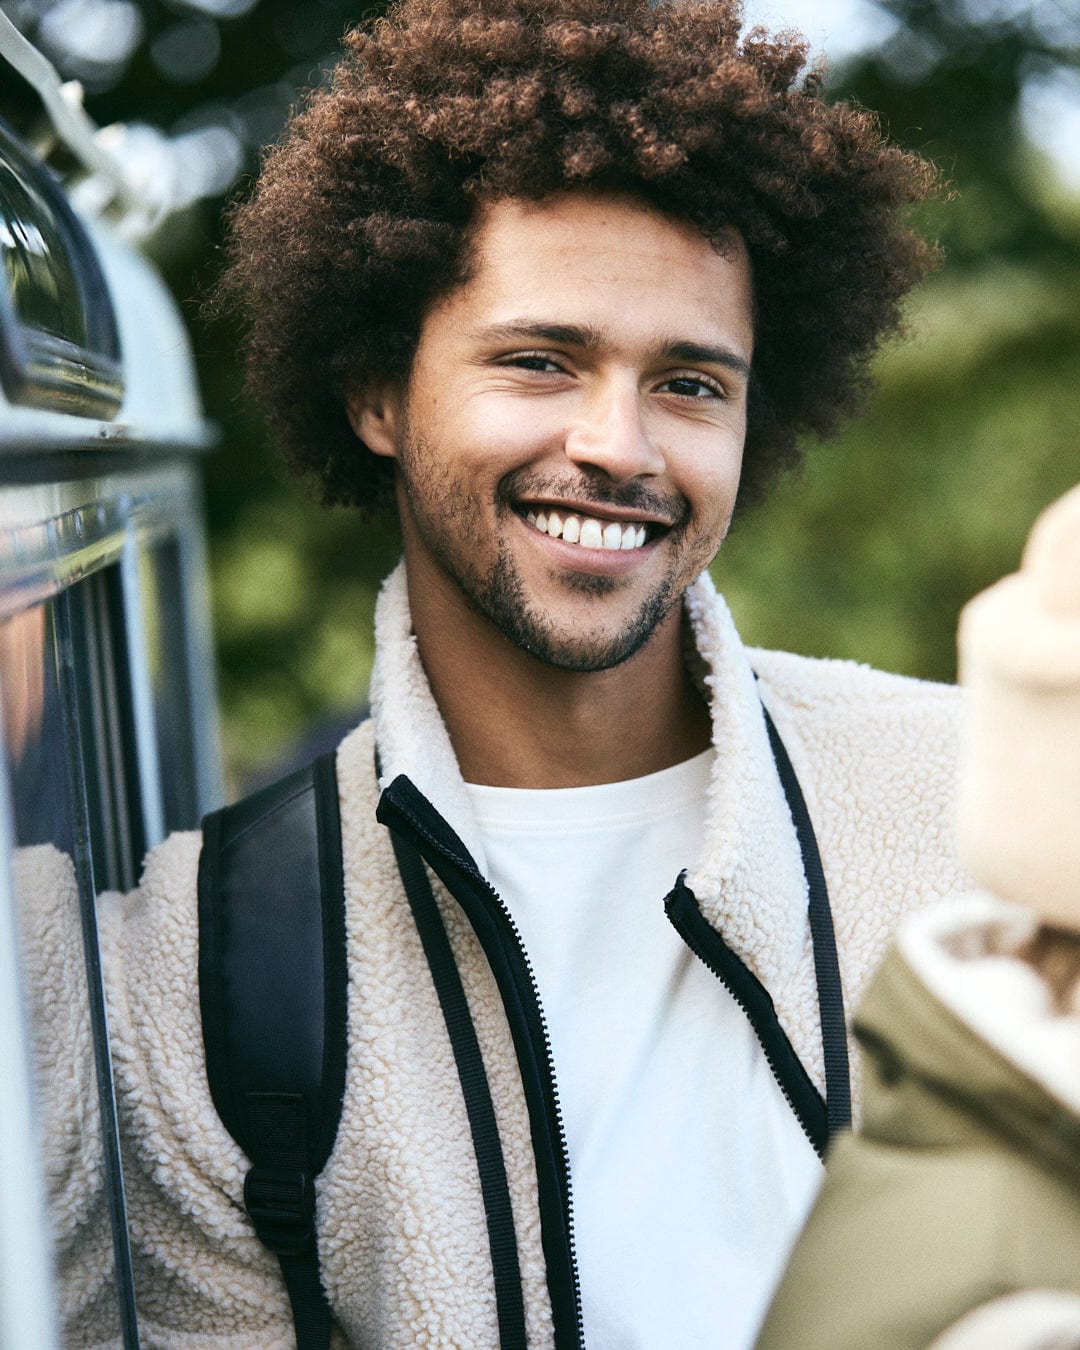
(569, 444)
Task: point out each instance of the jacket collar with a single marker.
(748, 881)
(963, 1019)
(978, 956)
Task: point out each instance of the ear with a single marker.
(374, 413)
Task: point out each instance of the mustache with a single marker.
(594, 490)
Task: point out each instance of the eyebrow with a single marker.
(592, 339)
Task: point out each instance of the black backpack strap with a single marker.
(272, 987)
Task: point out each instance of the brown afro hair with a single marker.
(361, 215)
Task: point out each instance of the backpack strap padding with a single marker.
(272, 987)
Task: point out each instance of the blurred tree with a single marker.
(976, 423)
(870, 554)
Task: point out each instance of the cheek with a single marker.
(497, 436)
(517, 421)
(712, 482)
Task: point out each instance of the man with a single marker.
(567, 279)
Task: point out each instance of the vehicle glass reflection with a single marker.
(40, 277)
(165, 637)
(50, 923)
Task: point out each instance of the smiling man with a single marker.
(561, 282)
(567, 451)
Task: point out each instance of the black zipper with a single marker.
(404, 809)
(475, 1091)
(756, 1003)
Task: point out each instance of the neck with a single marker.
(517, 722)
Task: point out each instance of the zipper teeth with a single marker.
(711, 965)
(560, 1133)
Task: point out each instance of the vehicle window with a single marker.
(107, 723)
(164, 597)
(93, 653)
(53, 891)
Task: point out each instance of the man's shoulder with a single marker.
(884, 734)
(828, 686)
(159, 915)
(170, 870)
(877, 756)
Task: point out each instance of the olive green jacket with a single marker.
(964, 1184)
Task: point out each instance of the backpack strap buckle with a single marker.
(281, 1203)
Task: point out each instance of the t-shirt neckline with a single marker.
(661, 793)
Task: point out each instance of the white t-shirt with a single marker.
(691, 1175)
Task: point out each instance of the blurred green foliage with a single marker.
(871, 552)
(975, 425)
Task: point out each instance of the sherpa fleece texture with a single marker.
(402, 1235)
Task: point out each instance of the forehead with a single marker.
(605, 261)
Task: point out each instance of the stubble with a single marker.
(443, 513)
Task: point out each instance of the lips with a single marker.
(573, 527)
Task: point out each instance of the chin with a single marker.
(579, 648)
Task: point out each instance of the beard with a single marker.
(500, 597)
(443, 516)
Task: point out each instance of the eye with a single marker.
(538, 361)
(692, 386)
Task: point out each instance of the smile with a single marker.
(588, 531)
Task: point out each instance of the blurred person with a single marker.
(561, 282)
(953, 1219)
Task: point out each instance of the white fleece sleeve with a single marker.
(53, 969)
(202, 1278)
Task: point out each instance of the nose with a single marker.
(610, 433)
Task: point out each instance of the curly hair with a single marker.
(361, 216)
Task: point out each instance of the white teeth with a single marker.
(588, 531)
(592, 534)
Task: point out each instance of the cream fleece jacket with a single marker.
(401, 1223)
